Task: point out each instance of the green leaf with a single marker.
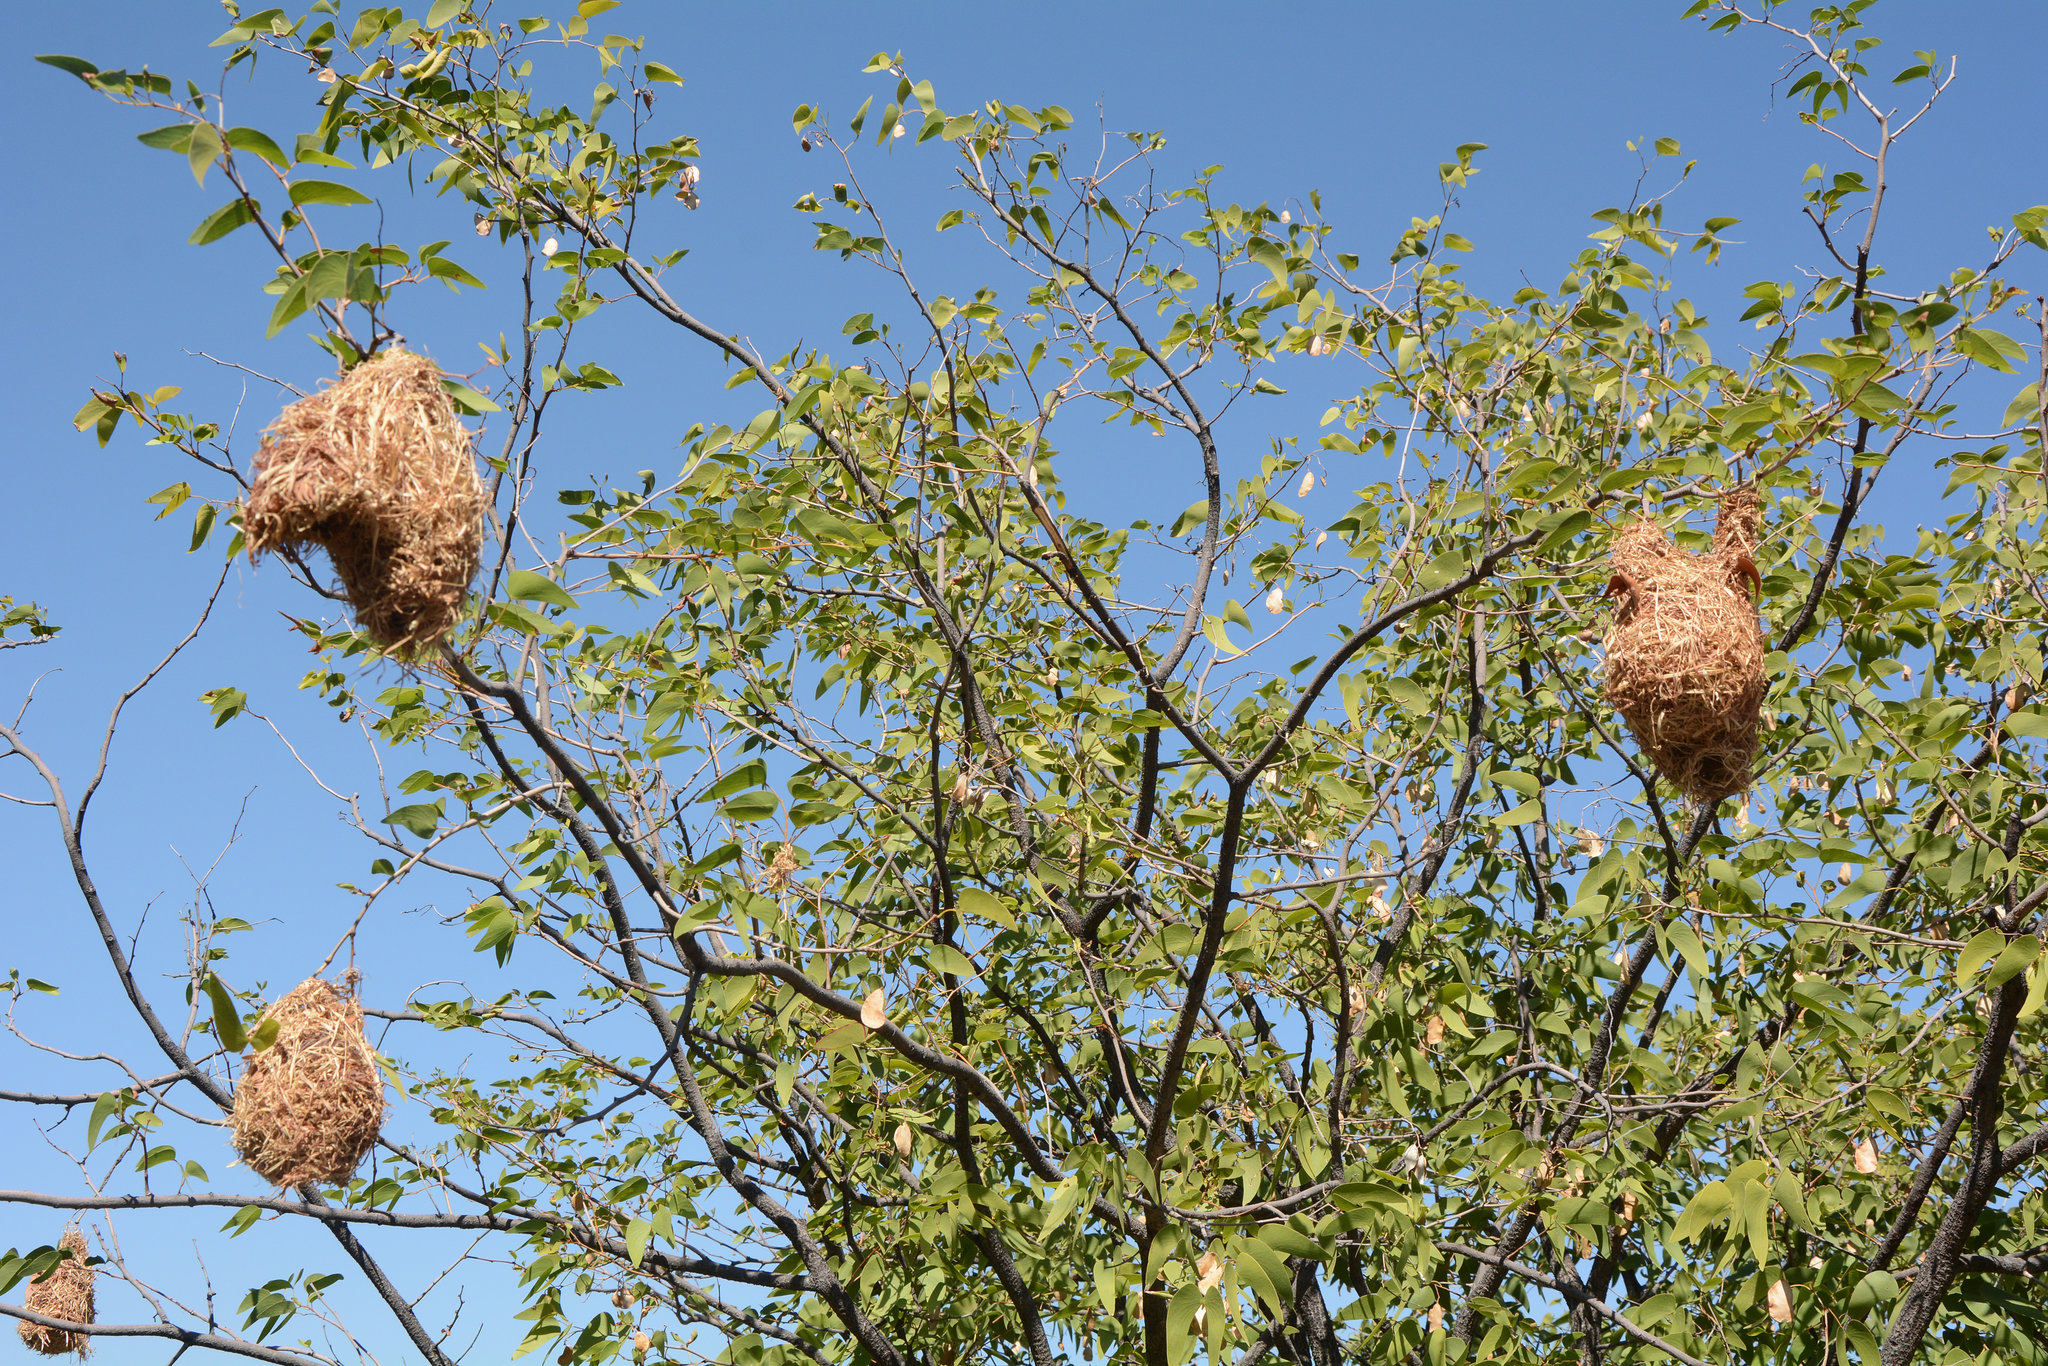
(227, 1020)
(204, 147)
(254, 140)
(1876, 1287)
(444, 10)
(1288, 1242)
(985, 906)
(77, 66)
(1266, 386)
(1990, 348)
(1682, 937)
(655, 71)
(1979, 951)
(1065, 1197)
(175, 137)
(527, 586)
(1197, 514)
(326, 192)
(38, 984)
(1785, 1189)
(223, 221)
(419, 818)
(752, 773)
(2025, 409)
(637, 1233)
(466, 399)
(2030, 724)
(1265, 1270)
(2017, 957)
(758, 805)
(108, 1105)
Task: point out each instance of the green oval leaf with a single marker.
(528, 586)
(326, 192)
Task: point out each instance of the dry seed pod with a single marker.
(1866, 1157)
(781, 868)
(1685, 653)
(874, 1012)
(903, 1138)
(310, 1105)
(378, 471)
(65, 1292)
(1780, 1300)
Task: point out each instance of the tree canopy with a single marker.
(956, 925)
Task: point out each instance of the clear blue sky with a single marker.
(1358, 100)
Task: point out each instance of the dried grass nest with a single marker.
(64, 1293)
(378, 470)
(1685, 655)
(310, 1105)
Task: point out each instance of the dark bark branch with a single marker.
(186, 1337)
(1572, 1294)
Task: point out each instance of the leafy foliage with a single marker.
(989, 939)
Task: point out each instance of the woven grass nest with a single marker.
(310, 1105)
(65, 1293)
(377, 470)
(1685, 655)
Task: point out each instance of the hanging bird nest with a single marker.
(377, 470)
(310, 1105)
(1685, 655)
(65, 1292)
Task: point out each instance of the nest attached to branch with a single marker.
(377, 470)
(1685, 655)
(310, 1105)
(65, 1293)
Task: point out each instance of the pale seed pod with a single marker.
(1780, 1300)
(1308, 484)
(902, 1140)
(960, 789)
(641, 1342)
(1276, 601)
(1436, 1317)
(1321, 536)
(1286, 217)
(874, 1012)
(1866, 1157)
(1210, 1268)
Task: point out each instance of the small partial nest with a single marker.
(377, 469)
(1685, 656)
(310, 1105)
(65, 1293)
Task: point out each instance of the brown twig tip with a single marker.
(65, 1292)
(310, 1105)
(378, 470)
(1685, 653)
